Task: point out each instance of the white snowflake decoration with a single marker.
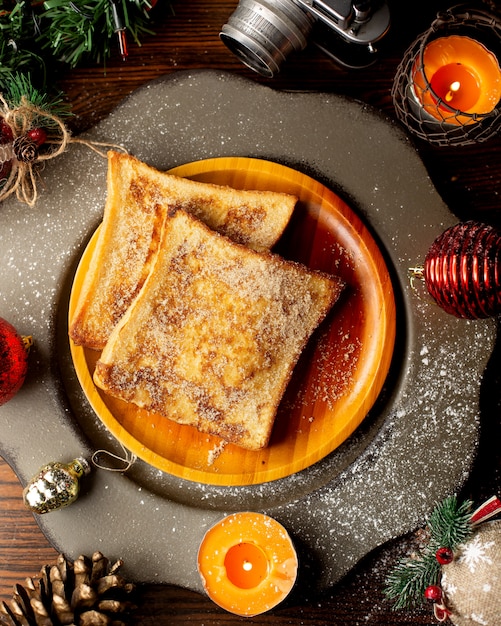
(475, 552)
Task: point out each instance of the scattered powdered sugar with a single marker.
(358, 497)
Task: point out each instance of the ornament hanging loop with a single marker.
(128, 460)
(441, 612)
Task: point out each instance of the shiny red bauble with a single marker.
(14, 351)
(462, 270)
(6, 137)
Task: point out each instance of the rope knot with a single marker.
(30, 135)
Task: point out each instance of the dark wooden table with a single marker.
(469, 180)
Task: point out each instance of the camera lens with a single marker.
(262, 33)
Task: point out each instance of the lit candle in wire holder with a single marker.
(447, 89)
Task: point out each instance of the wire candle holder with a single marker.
(456, 41)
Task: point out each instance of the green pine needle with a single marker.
(18, 48)
(83, 30)
(407, 582)
(20, 86)
(449, 525)
(36, 36)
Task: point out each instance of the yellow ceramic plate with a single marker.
(339, 375)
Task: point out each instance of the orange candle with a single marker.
(247, 563)
(464, 76)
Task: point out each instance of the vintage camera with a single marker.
(262, 33)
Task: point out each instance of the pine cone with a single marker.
(84, 593)
(25, 149)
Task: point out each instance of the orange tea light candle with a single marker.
(463, 75)
(247, 563)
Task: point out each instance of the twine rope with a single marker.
(22, 177)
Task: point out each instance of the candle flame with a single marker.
(453, 88)
(247, 565)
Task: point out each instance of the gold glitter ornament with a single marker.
(55, 486)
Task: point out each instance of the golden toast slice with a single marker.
(212, 338)
(138, 198)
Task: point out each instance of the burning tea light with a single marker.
(457, 74)
(247, 563)
(447, 88)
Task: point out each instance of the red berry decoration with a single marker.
(37, 135)
(462, 270)
(444, 556)
(433, 593)
(14, 351)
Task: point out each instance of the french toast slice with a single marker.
(138, 199)
(214, 334)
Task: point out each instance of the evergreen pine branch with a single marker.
(35, 35)
(72, 35)
(407, 582)
(18, 48)
(21, 86)
(82, 30)
(448, 525)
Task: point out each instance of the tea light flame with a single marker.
(453, 89)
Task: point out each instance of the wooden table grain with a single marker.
(469, 180)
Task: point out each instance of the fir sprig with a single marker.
(407, 582)
(37, 37)
(20, 86)
(448, 526)
(19, 50)
(83, 30)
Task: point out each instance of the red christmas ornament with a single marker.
(6, 135)
(433, 593)
(462, 270)
(444, 556)
(13, 360)
(6, 138)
